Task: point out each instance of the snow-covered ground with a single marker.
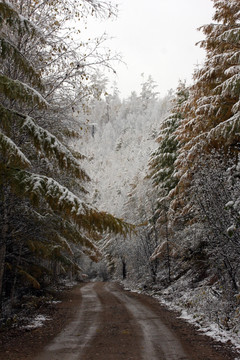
(38, 321)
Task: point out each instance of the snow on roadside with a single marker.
(67, 283)
(203, 325)
(53, 302)
(193, 314)
(37, 322)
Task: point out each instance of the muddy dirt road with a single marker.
(113, 324)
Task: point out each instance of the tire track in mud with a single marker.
(158, 341)
(118, 336)
(69, 344)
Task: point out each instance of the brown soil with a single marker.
(118, 335)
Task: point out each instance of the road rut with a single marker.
(159, 341)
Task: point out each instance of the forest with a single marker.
(143, 190)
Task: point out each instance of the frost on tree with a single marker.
(207, 163)
(212, 110)
(162, 165)
(214, 99)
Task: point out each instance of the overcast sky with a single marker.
(157, 38)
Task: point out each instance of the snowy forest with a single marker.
(143, 190)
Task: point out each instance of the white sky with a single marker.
(157, 38)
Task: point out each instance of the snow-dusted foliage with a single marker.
(162, 163)
(121, 138)
(212, 110)
(43, 210)
(11, 152)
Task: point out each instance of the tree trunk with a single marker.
(124, 269)
(153, 270)
(168, 252)
(3, 242)
(15, 278)
(231, 274)
(2, 265)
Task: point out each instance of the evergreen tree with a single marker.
(148, 95)
(162, 174)
(162, 160)
(213, 114)
(210, 131)
(212, 109)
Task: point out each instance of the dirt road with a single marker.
(113, 324)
